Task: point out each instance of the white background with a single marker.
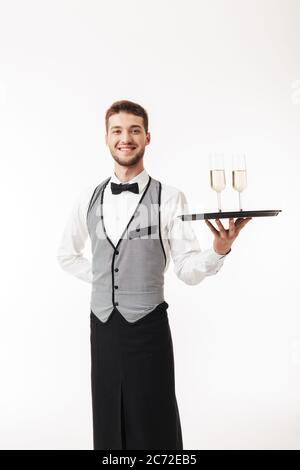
(214, 76)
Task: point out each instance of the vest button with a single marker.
(138, 229)
(116, 303)
(117, 252)
(116, 269)
(116, 287)
(101, 216)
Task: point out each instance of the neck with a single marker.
(125, 173)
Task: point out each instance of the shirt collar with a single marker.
(142, 179)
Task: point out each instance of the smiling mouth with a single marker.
(126, 149)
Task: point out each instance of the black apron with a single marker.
(133, 383)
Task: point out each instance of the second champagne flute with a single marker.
(239, 175)
(217, 175)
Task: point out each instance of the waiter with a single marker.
(131, 220)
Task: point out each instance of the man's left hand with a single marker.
(224, 239)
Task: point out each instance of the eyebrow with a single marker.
(120, 127)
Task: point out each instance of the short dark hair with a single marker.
(128, 107)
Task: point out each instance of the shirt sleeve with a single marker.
(191, 264)
(70, 250)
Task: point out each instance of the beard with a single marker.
(126, 160)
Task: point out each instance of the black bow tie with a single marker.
(118, 188)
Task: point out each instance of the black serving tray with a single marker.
(228, 215)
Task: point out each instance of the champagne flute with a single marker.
(217, 175)
(239, 175)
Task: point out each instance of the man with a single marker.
(132, 221)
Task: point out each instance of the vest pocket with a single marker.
(142, 231)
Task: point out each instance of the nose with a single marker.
(125, 136)
(126, 140)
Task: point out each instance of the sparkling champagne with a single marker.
(217, 180)
(239, 180)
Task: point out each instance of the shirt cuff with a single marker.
(217, 255)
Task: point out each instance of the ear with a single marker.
(148, 138)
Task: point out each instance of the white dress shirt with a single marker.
(191, 264)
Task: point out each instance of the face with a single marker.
(126, 138)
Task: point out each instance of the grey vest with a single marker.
(129, 276)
